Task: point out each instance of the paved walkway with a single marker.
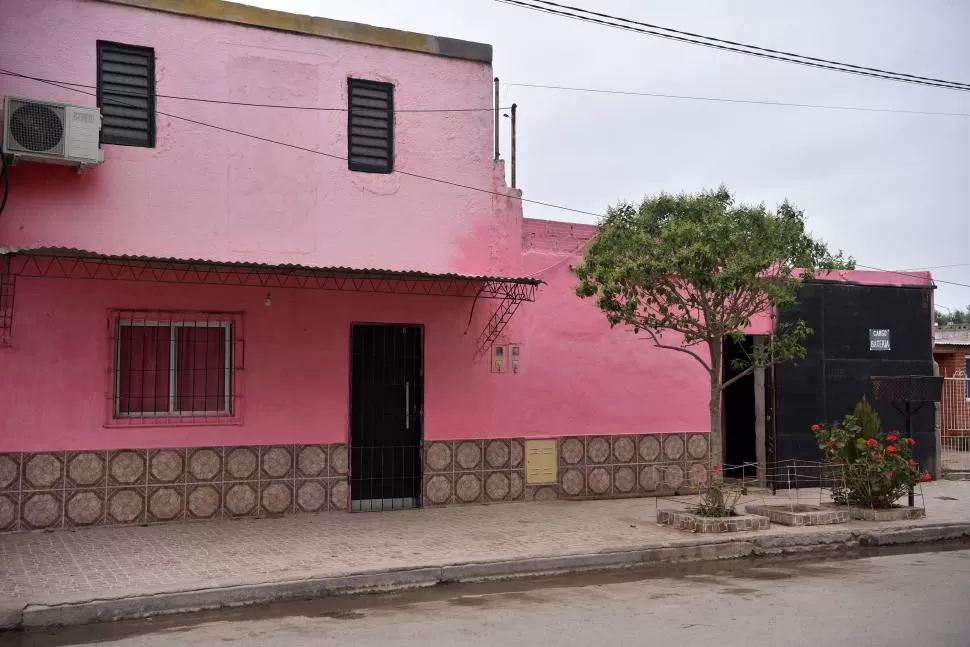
(104, 563)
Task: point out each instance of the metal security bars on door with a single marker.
(175, 368)
(387, 395)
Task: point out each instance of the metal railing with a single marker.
(955, 424)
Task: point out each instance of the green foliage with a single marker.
(719, 499)
(953, 317)
(873, 469)
(702, 266)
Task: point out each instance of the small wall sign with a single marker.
(879, 339)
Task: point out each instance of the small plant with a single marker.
(718, 499)
(873, 469)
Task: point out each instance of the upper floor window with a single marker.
(370, 126)
(126, 94)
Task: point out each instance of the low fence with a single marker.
(955, 424)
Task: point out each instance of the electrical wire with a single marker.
(742, 101)
(248, 104)
(739, 48)
(911, 275)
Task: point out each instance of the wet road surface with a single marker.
(879, 598)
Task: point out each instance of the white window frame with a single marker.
(173, 367)
(966, 375)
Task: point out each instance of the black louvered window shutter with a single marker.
(126, 94)
(370, 126)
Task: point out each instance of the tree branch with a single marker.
(681, 349)
(737, 377)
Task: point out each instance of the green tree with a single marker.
(691, 270)
(953, 317)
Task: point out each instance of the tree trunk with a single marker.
(717, 438)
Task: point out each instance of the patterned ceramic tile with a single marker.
(624, 449)
(572, 451)
(468, 487)
(468, 455)
(599, 481)
(203, 501)
(498, 486)
(276, 497)
(128, 467)
(697, 446)
(311, 495)
(673, 445)
(338, 460)
(312, 461)
(598, 450)
(573, 482)
(339, 494)
(204, 465)
(41, 509)
(84, 507)
(438, 489)
(9, 510)
(166, 502)
(518, 453)
(516, 485)
(673, 476)
(650, 479)
(697, 475)
(540, 493)
(166, 466)
(86, 469)
(649, 448)
(240, 499)
(240, 463)
(438, 456)
(43, 471)
(10, 472)
(126, 505)
(497, 454)
(276, 462)
(624, 479)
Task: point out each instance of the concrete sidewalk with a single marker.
(71, 577)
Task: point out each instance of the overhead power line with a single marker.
(617, 22)
(248, 104)
(911, 275)
(659, 95)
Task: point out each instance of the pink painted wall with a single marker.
(202, 193)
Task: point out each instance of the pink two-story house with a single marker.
(298, 282)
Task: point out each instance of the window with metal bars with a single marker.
(174, 366)
(370, 126)
(126, 94)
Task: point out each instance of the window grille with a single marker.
(126, 94)
(370, 126)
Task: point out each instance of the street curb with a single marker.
(673, 552)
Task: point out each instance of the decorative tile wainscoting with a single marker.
(133, 486)
(590, 467)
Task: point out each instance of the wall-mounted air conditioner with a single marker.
(47, 131)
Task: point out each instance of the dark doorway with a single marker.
(738, 416)
(386, 414)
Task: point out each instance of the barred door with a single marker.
(955, 423)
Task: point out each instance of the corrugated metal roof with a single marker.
(340, 269)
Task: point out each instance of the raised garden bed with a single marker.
(896, 513)
(798, 514)
(696, 523)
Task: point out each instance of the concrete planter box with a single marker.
(897, 513)
(695, 523)
(799, 514)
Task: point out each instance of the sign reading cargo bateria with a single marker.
(878, 339)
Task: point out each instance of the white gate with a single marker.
(955, 423)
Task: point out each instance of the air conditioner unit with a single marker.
(47, 131)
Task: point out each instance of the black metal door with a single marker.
(386, 405)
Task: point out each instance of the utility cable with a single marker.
(631, 25)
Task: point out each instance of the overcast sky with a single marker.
(883, 187)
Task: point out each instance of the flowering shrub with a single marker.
(874, 468)
(718, 499)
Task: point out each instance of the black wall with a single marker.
(827, 384)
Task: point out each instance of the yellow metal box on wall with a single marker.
(540, 461)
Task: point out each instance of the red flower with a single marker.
(893, 437)
(872, 442)
(889, 473)
(830, 444)
(815, 428)
(716, 469)
(891, 449)
(911, 441)
(925, 476)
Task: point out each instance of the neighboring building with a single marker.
(212, 325)
(951, 350)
